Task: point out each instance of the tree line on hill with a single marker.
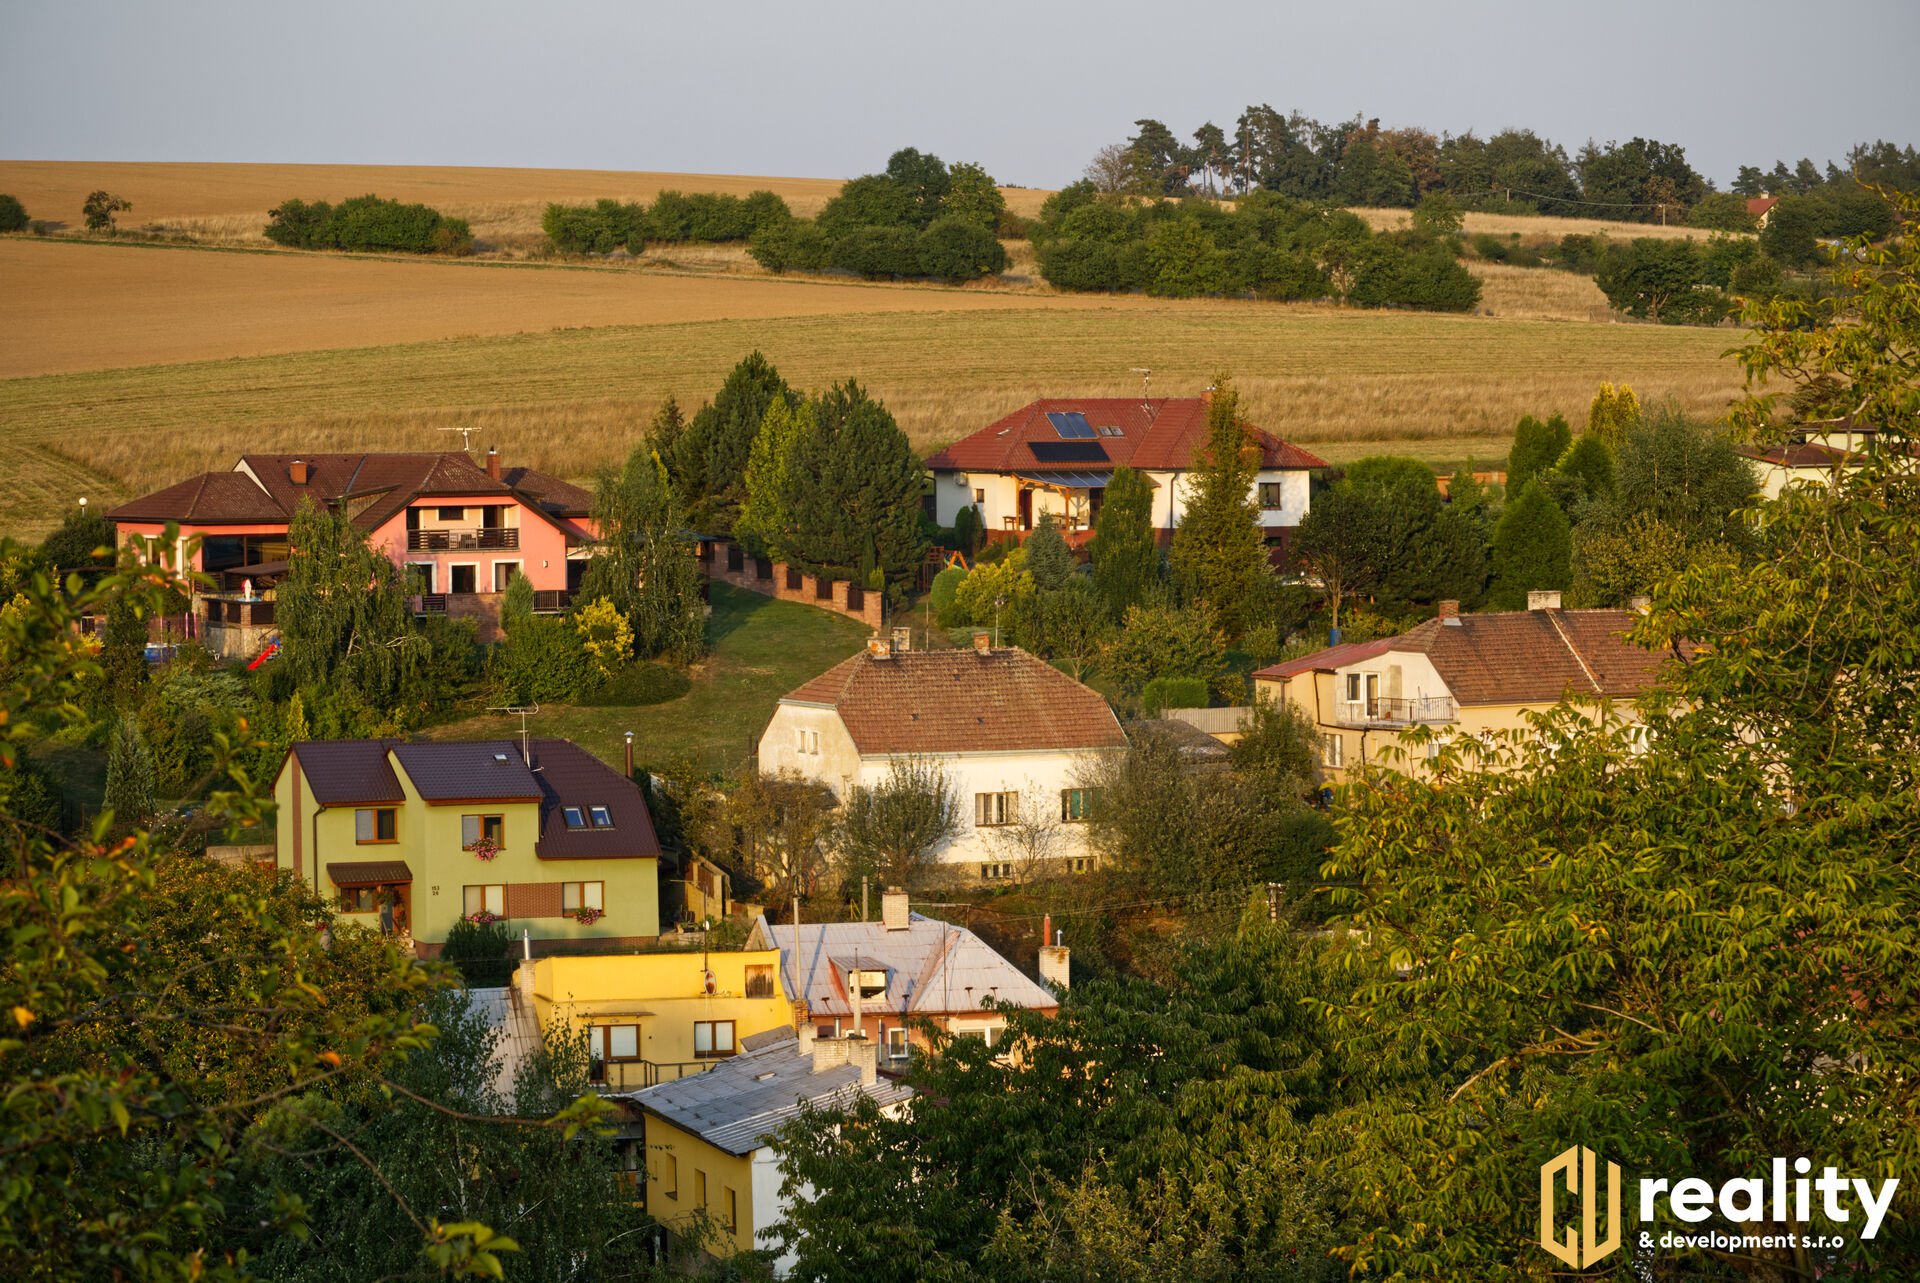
(371, 223)
(707, 217)
(1356, 162)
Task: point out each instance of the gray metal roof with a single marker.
(741, 1101)
(933, 968)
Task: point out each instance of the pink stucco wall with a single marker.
(148, 530)
(542, 553)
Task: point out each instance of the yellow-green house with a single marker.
(411, 838)
(654, 1017)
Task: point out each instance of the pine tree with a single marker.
(516, 603)
(130, 777)
(719, 440)
(297, 729)
(1218, 554)
(1126, 556)
(854, 490)
(764, 522)
(1048, 557)
(1532, 548)
(1614, 410)
(1537, 446)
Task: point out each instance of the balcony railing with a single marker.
(634, 1075)
(551, 601)
(450, 540)
(1391, 710)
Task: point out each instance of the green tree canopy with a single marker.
(1124, 551)
(645, 564)
(856, 501)
(1532, 548)
(709, 460)
(1537, 446)
(1218, 552)
(345, 621)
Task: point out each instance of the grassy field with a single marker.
(761, 650)
(1339, 381)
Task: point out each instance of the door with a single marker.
(1026, 508)
(460, 579)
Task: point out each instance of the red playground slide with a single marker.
(272, 650)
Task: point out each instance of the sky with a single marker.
(829, 89)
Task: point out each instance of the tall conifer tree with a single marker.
(1218, 554)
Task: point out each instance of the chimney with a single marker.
(629, 736)
(804, 1033)
(297, 472)
(831, 1053)
(1055, 968)
(1206, 398)
(982, 640)
(879, 648)
(893, 909)
(1450, 609)
(902, 640)
(1548, 599)
(493, 462)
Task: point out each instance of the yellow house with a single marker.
(708, 1137)
(414, 837)
(1460, 675)
(654, 1017)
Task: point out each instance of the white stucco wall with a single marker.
(1170, 496)
(836, 764)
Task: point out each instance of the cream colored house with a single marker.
(1058, 455)
(1011, 733)
(709, 1138)
(415, 837)
(1460, 675)
(1807, 459)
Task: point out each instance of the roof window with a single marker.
(602, 817)
(574, 817)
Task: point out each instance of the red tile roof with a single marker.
(212, 498)
(961, 701)
(1798, 455)
(1758, 205)
(1166, 434)
(1514, 657)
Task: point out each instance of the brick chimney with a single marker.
(902, 640)
(982, 640)
(894, 909)
(1449, 609)
(493, 462)
(1543, 599)
(879, 648)
(863, 1053)
(297, 472)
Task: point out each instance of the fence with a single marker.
(725, 562)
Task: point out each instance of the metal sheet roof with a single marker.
(933, 968)
(741, 1101)
(1068, 480)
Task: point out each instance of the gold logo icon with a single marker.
(1577, 1168)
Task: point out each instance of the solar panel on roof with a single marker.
(1071, 425)
(1068, 451)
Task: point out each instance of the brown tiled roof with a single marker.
(1799, 455)
(367, 873)
(562, 498)
(1326, 660)
(347, 772)
(961, 701)
(570, 776)
(1535, 656)
(212, 498)
(468, 771)
(1167, 434)
(1758, 205)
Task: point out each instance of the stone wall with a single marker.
(726, 562)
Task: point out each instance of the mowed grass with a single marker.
(761, 650)
(570, 400)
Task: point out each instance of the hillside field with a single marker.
(126, 366)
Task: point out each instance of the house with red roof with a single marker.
(460, 529)
(1011, 733)
(1760, 209)
(1459, 675)
(1057, 456)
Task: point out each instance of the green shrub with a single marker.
(298, 225)
(542, 660)
(13, 215)
(479, 953)
(968, 530)
(1163, 693)
(940, 599)
(638, 685)
(953, 249)
(798, 245)
(876, 252)
(368, 223)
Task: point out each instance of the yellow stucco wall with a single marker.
(669, 987)
(428, 838)
(679, 1158)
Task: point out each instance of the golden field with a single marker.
(125, 366)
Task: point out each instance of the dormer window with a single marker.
(575, 818)
(602, 817)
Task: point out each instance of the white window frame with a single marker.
(1333, 751)
(474, 566)
(432, 586)
(513, 568)
(712, 1031)
(995, 810)
(600, 817)
(897, 1044)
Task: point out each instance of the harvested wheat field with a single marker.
(1345, 383)
(1532, 228)
(88, 306)
(230, 202)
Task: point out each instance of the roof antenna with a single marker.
(466, 437)
(1146, 384)
(523, 711)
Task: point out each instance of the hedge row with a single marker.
(950, 249)
(608, 225)
(368, 223)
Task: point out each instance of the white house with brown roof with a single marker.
(1460, 675)
(1011, 732)
(1058, 455)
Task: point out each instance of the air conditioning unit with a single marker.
(960, 479)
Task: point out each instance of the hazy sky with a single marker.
(828, 89)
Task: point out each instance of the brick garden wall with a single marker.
(727, 563)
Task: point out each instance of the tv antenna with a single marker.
(1146, 385)
(466, 443)
(523, 712)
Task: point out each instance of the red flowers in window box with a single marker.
(484, 848)
(587, 917)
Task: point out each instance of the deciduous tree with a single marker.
(894, 830)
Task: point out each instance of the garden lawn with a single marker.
(761, 650)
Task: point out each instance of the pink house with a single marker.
(459, 529)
